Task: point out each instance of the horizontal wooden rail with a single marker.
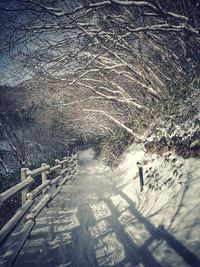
(15, 189)
(73, 164)
(32, 173)
(37, 190)
(38, 171)
(18, 241)
(63, 181)
(37, 209)
(13, 222)
(63, 161)
(56, 179)
(55, 168)
(64, 170)
(58, 189)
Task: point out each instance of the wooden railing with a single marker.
(64, 170)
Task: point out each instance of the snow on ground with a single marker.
(102, 219)
(170, 197)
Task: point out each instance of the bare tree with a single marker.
(116, 56)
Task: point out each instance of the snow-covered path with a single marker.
(92, 222)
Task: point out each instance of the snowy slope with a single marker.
(170, 196)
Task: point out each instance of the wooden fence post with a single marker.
(44, 177)
(25, 191)
(141, 177)
(57, 161)
(65, 164)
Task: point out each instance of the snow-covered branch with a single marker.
(115, 120)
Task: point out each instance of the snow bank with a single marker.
(170, 197)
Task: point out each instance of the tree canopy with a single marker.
(116, 56)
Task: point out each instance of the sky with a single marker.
(7, 68)
(5, 64)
